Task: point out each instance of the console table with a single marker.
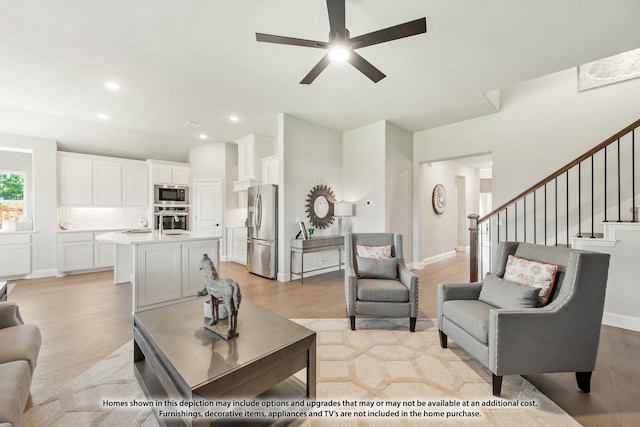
(315, 244)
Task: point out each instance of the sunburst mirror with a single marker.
(320, 203)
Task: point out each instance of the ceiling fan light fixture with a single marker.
(339, 52)
(112, 86)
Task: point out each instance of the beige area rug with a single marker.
(381, 364)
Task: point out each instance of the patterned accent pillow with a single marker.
(533, 274)
(367, 251)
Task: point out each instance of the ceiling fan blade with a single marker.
(269, 38)
(400, 31)
(365, 67)
(337, 24)
(315, 71)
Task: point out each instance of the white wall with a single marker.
(399, 185)
(364, 176)
(44, 262)
(218, 160)
(543, 125)
(310, 155)
(439, 234)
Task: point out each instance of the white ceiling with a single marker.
(198, 60)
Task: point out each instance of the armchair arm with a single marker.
(449, 291)
(10, 315)
(456, 291)
(538, 340)
(350, 289)
(410, 280)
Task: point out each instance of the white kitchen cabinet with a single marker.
(237, 237)
(192, 276)
(79, 251)
(75, 251)
(87, 180)
(135, 186)
(158, 273)
(15, 255)
(169, 173)
(103, 253)
(251, 148)
(76, 181)
(180, 175)
(270, 170)
(107, 183)
(161, 174)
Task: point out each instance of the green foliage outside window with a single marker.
(11, 186)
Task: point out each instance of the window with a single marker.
(11, 196)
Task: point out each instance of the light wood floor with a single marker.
(84, 318)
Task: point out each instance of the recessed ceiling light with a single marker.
(203, 136)
(192, 124)
(234, 118)
(102, 116)
(112, 86)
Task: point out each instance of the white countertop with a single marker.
(10, 233)
(136, 238)
(95, 229)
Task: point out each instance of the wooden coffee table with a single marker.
(176, 358)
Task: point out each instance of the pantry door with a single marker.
(208, 207)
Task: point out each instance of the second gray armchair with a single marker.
(377, 281)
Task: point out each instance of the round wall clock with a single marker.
(439, 199)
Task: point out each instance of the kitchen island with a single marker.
(164, 268)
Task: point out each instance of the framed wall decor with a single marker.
(319, 205)
(304, 233)
(439, 199)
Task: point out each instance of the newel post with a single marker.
(473, 243)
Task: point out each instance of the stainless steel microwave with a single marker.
(170, 194)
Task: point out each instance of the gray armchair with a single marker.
(379, 288)
(562, 336)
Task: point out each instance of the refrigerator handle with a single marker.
(258, 211)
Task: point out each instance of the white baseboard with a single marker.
(433, 259)
(621, 321)
(43, 273)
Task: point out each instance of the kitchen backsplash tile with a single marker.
(96, 218)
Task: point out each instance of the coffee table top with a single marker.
(199, 356)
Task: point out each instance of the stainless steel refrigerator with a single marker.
(262, 230)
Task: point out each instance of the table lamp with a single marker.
(341, 210)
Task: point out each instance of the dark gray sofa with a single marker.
(562, 336)
(18, 356)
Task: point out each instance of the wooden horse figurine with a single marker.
(224, 291)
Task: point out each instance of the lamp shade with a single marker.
(343, 209)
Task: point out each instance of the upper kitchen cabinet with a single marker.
(169, 172)
(270, 169)
(107, 183)
(76, 180)
(251, 149)
(87, 180)
(135, 187)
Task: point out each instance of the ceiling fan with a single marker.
(341, 46)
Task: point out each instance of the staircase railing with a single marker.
(572, 202)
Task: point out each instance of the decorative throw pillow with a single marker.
(534, 274)
(505, 294)
(366, 251)
(377, 268)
